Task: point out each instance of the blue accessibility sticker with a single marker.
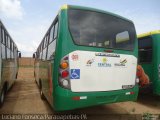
(75, 74)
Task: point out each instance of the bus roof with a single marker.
(149, 33)
(65, 7)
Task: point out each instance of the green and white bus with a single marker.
(149, 57)
(87, 57)
(8, 62)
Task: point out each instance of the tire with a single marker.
(42, 95)
(41, 92)
(2, 98)
(16, 75)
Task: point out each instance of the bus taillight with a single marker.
(64, 73)
(64, 65)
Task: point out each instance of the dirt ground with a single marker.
(24, 98)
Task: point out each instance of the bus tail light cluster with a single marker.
(64, 73)
(130, 93)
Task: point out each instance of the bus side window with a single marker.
(3, 44)
(0, 34)
(40, 56)
(7, 46)
(51, 34)
(56, 30)
(145, 50)
(45, 44)
(52, 44)
(3, 36)
(44, 49)
(51, 50)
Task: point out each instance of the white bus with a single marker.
(8, 62)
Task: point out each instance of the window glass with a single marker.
(89, 28)
(3, 36)
(44, 54)
(6, 40)
(122, 39)
(9, 45)
(41, 46)
(51, 50)
(15, 52)
(51, 34)
(40, 57)
(44, 43)
(145, 49)
(145, 42)
(52, 44)
(0, 34)
(8, 53)
(56, 30)
(12, 54)
(46, 40)
(12, 46)
(3, 52)
(37, 54)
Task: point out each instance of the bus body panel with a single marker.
(156, 63)
(46, 79)
(99, 71)
(36, 73)
(66, 100)
(9, 71)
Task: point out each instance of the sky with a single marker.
(27, 21)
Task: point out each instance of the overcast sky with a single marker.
(28, 20)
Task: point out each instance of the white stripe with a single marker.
(83, 97)
(128, 93)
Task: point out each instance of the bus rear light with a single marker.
(64, 83)
(76, 98)
(64, 65)
(65, 74)
(63, 80)
(129, 93)
(65, 58)
(137, 80)
(109, 51)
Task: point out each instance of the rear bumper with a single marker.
(63, 99)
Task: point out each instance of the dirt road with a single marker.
(24, 98)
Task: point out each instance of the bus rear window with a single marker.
(89, 28)
(145, 49)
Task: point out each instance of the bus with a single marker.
(8, 62)
(149, 58)
(87, 57)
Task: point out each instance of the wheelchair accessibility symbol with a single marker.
(75, 74)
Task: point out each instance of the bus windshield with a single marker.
(89, 28)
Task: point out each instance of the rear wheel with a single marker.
(2, 97)
(42, 95)
(41, 92)
(16, 75)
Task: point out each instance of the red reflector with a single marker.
(108, 51)
(76, 98)
(131, 93)
(64, 74)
